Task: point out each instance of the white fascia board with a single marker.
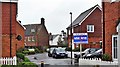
(21, 25)
(15, 1)
(90, 14)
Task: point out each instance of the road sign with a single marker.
(80, 38)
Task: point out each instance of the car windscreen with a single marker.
(92, 50)
(60, 50)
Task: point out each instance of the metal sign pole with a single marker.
(80, 50)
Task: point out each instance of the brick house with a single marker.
(88, 22)
(17, 29)
(36, 35)
(111, 19)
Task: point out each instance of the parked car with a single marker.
(50, 50)
(85, 52)
(90, 52)
(96, 54)
(59, 52)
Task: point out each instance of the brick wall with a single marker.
(6, 17)
(20, 31)
(16, 30)
(110, 17)
(43, 37)
(96, 36)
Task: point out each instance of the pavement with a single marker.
(96, 62)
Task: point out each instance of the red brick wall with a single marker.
(111, 15)
(16, 30)
(6, 17)
(20, 31)
(6, 45)
(43, 37)
(94, 19)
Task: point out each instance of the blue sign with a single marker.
(80, 38)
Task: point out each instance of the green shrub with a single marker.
(20, 55)
(106, 57)
(25, 52)
(26, 63)
(68, 49)
(20, 50)
(76, 49)
(31, 52)
(41, 51)
(37, 50)
(26, 59)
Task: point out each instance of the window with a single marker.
(32, 30)
(29, 39)
(33, 38)
(90, 28)
(115, 47)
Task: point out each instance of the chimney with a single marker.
(42, 21)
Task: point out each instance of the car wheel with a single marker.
(55, 56)
(66, 56)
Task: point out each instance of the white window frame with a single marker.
(114, 59)
(33, 38)
(32, 30)
(91, 28)
(29, 39)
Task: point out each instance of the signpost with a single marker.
(80, 38)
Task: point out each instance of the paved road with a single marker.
(48, 60)
(66, 62)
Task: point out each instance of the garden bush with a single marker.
(68, 49)
(106, 57)
(26, 59)
(20, 55)
(76, 49)
(25, 52)
(31, 52)
(27, 63)
(37, 50)
(20, 50)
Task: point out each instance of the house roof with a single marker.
(31, 27)
(52, 37)
(83, 16)
(19, 22)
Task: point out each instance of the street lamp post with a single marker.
(71, 36)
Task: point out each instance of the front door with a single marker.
(114, 47)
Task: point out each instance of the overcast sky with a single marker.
(55, 12)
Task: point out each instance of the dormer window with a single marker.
(32, 30)
(90, 28)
